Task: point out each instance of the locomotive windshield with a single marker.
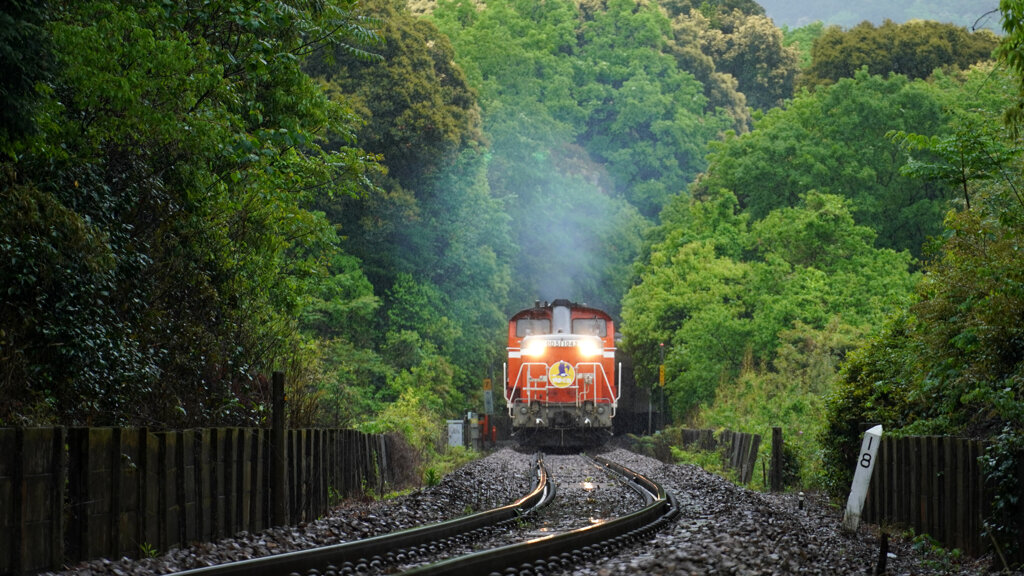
(590, 327)
(528, 326)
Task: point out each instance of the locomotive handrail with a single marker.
(604, 376)
(614, 394)
(528, 386)
(510, 393)
(618, 391)
(524, 365)
(504, 376)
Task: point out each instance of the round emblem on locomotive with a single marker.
(561, 374)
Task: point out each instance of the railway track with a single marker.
(391, 553)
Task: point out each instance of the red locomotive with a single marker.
(560, 380)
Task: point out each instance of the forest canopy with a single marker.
(156, 228)
(914, 49)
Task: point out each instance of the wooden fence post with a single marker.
(259, 479)
(244, 478)
(278, 456)
(293, 441)
(112, 467)
(776, 477)
(750, 462)
(10, 500)
(18, 560)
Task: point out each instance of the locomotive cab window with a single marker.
(528, 326)
(590, 327)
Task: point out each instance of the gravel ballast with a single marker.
(723, 528)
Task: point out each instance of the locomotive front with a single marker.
(560, 385)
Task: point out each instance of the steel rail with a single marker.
(356, 551)
(661, 507)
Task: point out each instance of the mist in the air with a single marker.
(576, 239)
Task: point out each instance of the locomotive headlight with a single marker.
(534, 347)
(590, 347)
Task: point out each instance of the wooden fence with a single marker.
(934, 485)
(739, 450)
(82, 493)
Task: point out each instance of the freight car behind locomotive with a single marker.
(560, 379)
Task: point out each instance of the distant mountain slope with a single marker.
(969, 13)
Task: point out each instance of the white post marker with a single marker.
(861, 478)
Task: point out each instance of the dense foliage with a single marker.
(803, 40)
(721, 289)
(433, 242)
(25, 59)
(591, 122)
(834, 141)
(757, 313)
(915, 50)
(944, 365)
(197, 195)
(564, 209)
(751, 50)
(1009, 52)
(156, 236)
(953, 362)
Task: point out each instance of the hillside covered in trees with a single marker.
(820, 224)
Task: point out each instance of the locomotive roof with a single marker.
(544, 309)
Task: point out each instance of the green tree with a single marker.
(1008, 52)
(750, 48)
(434, 242)
(178, 150)
(953, 363)
(834, 141)
(790, 392)
(25, 59)
(340, 318)
(418, 109)
(971, 154)
(915, 50)
(719, 290)
(803, 39)
(678, 7)
(419, 115)
(720, 89)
